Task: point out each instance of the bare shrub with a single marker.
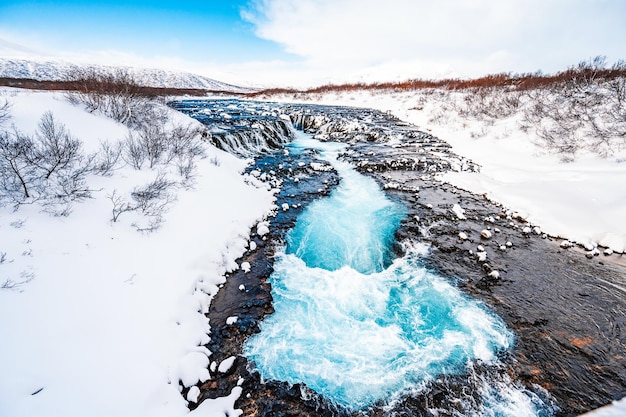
(184, 148)
(107, 158)
(5, 111)
(114, 92)
(133, 150)
(120, 205)
(487, 103)
(54, 149)
(148, 144)
(152, 201)
(48, 166)
(584, 110)
(156, 144)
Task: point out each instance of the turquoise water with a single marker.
(352, 322)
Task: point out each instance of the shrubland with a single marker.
(580, 109)
(52, 169)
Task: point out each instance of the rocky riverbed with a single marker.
(568, 311)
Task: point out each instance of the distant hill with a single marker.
(57, 71)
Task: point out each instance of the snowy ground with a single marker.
(582, 201)
(110, 318)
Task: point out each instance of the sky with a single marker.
(311, 42)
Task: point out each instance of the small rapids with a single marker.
(360, 327)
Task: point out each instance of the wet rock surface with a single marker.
(568, 312)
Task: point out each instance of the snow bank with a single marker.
(107, 320)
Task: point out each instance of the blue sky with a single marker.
(188, 29)
(308, 42)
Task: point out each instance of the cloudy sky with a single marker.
(309, 42)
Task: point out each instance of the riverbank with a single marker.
(564, 307)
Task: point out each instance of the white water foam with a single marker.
(359, 327)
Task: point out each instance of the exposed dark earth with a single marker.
(566, 307)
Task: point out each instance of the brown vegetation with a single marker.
(592, 70)
(31, 84)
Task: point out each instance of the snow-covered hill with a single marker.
(47, 70)
(100, 319)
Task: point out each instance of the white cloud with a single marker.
(432, 38)
(374, 40)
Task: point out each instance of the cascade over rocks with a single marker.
(242, 131)
(568, 312)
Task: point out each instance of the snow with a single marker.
(107, 320)
(50, 69)
(616, 409)
(226, 364)
(459, 211)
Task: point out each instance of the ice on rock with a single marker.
(231, 320)
(320, 167)
(193, 394)
(589, 246)
(252, 245)
(460, 212)
(245, 267)
(494, 274)
(615, 242)
(285, 206)
(486, 234)
(193, 368)
(262, 229)
(463, 236)
(226, 364)
(242, 287)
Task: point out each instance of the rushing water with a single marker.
(359, 326)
